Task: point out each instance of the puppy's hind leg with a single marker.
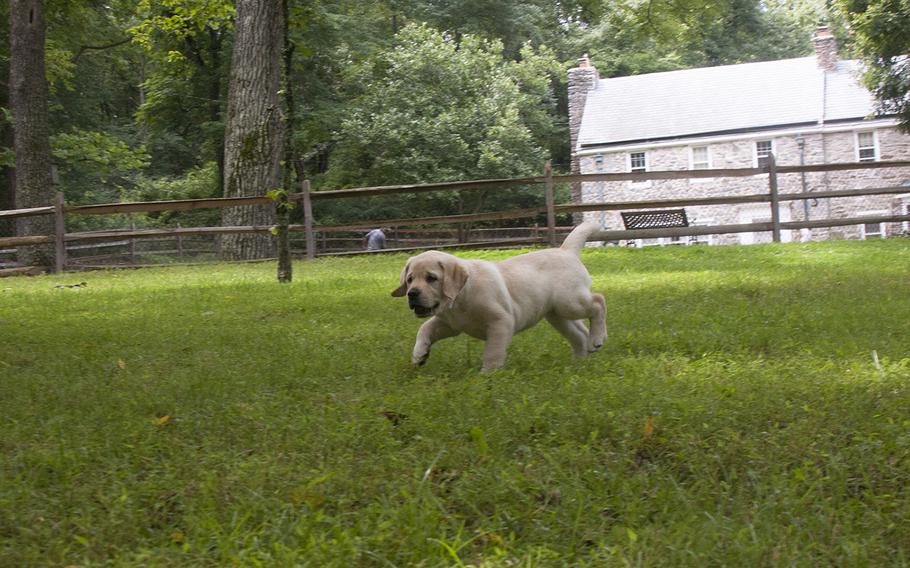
(574, 331)
(598, 315)
(430, 332)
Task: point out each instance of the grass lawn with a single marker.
(751, 408)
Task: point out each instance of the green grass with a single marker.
(751, 408)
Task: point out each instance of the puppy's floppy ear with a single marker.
(454, 277)
(403, 284)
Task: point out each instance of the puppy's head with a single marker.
(431, 281)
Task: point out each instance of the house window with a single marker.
(702, 239)
(866, 147)
(873, 230)
(638, 162)
(763, 149)
(762, 214)
(699, 158)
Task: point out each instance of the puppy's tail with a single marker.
(579, 236)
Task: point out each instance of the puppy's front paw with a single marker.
(419, 360)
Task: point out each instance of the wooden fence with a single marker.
(61, 239)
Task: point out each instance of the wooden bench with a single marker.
(662, 219)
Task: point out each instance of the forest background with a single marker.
(387, 92)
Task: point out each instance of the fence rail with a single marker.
(549, 207)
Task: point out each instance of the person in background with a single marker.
(374, 240)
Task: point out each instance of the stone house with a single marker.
(810, 110)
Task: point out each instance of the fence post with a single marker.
(551, 211)
(308, 221)
(179, 243)
(59, 234)
(775, 202)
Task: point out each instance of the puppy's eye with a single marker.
(410, 278)
(431, 278)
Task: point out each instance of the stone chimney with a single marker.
(581, 80)
(825, 49)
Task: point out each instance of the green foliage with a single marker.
(336, 39)
(436, 109)
(184, 78)
(513, 22)
(107, 154)
(179, 19)
(96, 165)
(282, 204)
(639, 37)
(90, 66)
(59, 66)
(749, 409)
(197, 183)
(881, 29)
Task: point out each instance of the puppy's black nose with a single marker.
(413, 293)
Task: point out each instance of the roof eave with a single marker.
(752, 132)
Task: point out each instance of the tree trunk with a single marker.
(28, 102)
(283, 207)
(254, 131)
(7, 177)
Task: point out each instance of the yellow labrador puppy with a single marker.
(496, 300)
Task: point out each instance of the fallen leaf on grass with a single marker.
(121, 363)
(649, 427)
(162, 420)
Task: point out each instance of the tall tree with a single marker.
(254, 134)
(881, 29)
(185, 43)
(7, 188)
(28, 98)
(660, 35)
(434, 108)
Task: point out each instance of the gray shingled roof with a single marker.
(714, 100)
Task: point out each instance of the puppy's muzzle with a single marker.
(415, 304)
